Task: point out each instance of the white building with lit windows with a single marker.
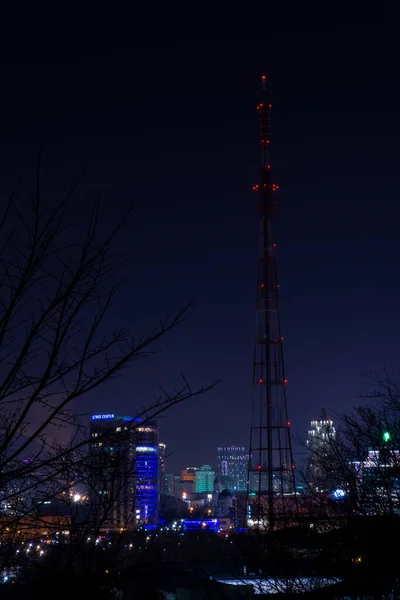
(233, 462)
(319, 443)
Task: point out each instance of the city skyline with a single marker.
(199, 388)
(193, 231)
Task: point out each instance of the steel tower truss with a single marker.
(271, 481)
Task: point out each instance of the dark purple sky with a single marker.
(161, 110)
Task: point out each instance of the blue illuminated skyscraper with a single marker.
(124, 471)
(111, 470)
(147, 473)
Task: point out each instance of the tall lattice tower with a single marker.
(271, 481)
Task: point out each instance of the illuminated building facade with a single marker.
(319, 440)
(124, 470)
(187, 483)
(147, 473)
(111, 469)
(189, 474)
(233, 463)
(162, 455)
(205, 478)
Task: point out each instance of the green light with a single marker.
(386, 436)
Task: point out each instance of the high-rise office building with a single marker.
(233, 463)
(147, 473)
(123, 470)
(111, 470)
(177, 483)
(187, 483)
(162, 455)
(169, 484)
(319, 443)
(189, 474)
(205, 478)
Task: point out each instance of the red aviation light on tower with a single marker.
(263, 81)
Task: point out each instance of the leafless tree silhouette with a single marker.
(56, 294)
(363, 458)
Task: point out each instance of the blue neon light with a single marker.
(204, 525)
(147, 483)
(104, 417)
(110, 416)
(200, 521)
(338, 494)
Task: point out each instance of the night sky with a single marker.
(160, 108)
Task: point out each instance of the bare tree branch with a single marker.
(56, 295)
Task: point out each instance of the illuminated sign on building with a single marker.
(146, 449)
(98, 417)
